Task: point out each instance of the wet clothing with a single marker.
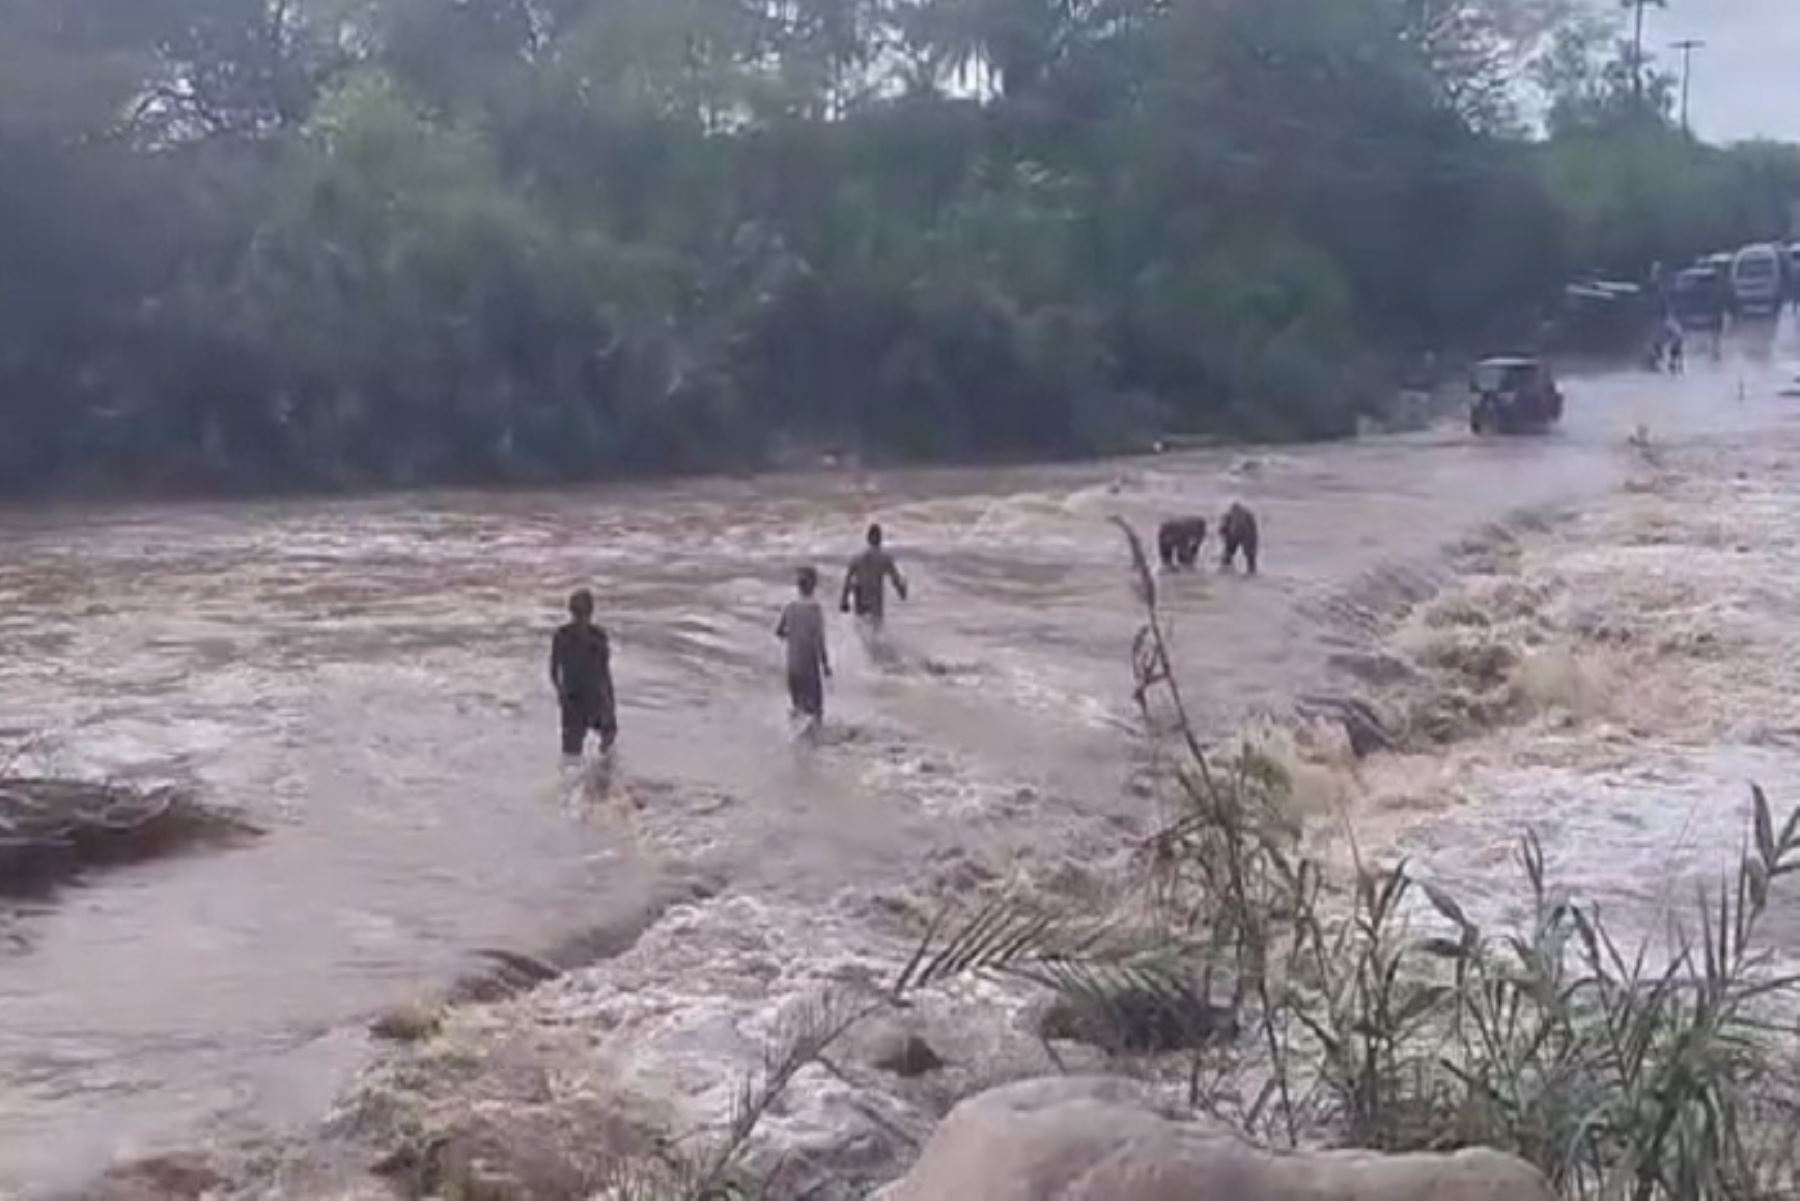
(1239, 533)
(806, 693)
(802, 627)
(579, 715)
(865, 586)
(1178, 542)
(581, 670)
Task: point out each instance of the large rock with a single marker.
(1087, 1139)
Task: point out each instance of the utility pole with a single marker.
(1637, 43)
(1687, 46)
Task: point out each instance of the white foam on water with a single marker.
(379, 668)
(1655, 671)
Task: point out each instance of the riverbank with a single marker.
(1613, 677)
(1406, 409)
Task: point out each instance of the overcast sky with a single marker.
(1747, 79)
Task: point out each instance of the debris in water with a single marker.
(51, 830)
(1364, 726)
(911, 1058)
(408, 1024)
(159, 1178)
(1139, 1015)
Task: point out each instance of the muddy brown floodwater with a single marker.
(366, 679)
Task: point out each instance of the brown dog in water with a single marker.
(1238, 531)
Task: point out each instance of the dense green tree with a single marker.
(254, 243)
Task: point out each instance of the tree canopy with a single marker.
(257, 243)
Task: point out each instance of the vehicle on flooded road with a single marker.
(1756, 280)
(1513, 395)
(1700, 298)
(1602, 316)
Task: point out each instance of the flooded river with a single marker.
(367, 681)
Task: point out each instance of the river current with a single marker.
(366, 681)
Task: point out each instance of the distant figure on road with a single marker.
(1675, 346)
(1238, 531)
(802, 627)
(865, 584)
(581, 672)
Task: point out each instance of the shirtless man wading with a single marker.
(865, 584)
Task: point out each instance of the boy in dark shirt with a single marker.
(581, 671)
(866, 581)
(803, 629)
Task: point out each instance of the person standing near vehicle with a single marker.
(581, 673)
(865, 584)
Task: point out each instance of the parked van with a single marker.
(1698, 298)
(1757, 279)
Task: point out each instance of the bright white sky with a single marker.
(1747, 80)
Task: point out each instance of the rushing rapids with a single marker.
(1592, 642)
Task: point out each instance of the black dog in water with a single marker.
(1178, 541)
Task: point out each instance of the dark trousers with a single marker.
(582, 713)
(1233, 546)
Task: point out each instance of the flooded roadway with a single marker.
(366, 680)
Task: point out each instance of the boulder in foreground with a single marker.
(1097, 1139)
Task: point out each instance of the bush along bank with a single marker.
(320, 245)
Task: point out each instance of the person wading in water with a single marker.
(581, 672)
(865, 584)
(808, 663)
(1237, 529)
